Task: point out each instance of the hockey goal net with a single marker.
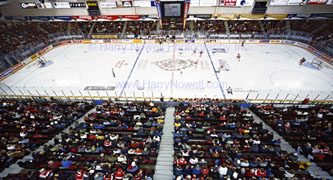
(317, 63)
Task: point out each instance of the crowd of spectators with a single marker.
(309, 130)
(215, 140)
(305, 26)
(25, 125)
(20, 35)
(108, 27)
(210, 26)
(117, 141)
(244, 27)
(24, 35)
(274, 26)
(140, 27)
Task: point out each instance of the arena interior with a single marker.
(166, 89)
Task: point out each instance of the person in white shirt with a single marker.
(222, 170)
(194, 160)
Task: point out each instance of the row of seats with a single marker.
(221, 141)
(309, 130)
(25, 125)
(117, 141)
(24, 35)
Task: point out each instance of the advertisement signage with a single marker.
(61, 5)
(77, 4)
(30, 5)
(111, 4)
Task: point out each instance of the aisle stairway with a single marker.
(69, 26)
(92, 28)
(226, 26)
(15, 168)
(262, 27)
(315, 171)
(164, 168)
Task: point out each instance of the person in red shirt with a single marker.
(204, 170)
(250, 173)
(119, 173)
(109, 176)
(260, 172)
(79, 175)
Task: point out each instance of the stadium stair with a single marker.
(158, 26)
(226, 26)
(262, 27)
(164, 164)
(125, 27)
(69, 27)
(15, 168)
(288, 26)
(191, 25)
(92, 28)
(314, 170)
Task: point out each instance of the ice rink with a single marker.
(264, 71)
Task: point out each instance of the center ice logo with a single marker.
(174, 64)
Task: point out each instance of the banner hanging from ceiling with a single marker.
(186, 8)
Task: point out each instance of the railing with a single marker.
(80, 93)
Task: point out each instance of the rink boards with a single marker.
(44, 51)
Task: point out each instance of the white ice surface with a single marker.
(269, 71)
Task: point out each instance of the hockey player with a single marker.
(238, 57)
(113, 73)
(229, 90)
(243, 42)
(201, 52)
(194, 51)
(41, 62)
(302, 61)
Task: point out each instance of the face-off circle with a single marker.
(174, 64)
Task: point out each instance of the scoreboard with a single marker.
(172, 14)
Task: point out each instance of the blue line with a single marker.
(131, 71)
(217, 77)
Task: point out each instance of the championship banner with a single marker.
(186, 8)
(159, 12)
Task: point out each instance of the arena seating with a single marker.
(140, 27)
(25, 125)
(108, 27)
(309, 130)
(25, 35)
(210, 26)
(306, 26)
(244, 27)
(118, 140)
(274, 26)
(220, 141)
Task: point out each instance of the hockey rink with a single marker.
(263, 71)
